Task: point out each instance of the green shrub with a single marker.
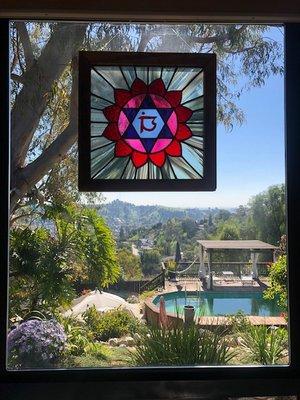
(147, 294)
(267, 345)
(181, 346)
(238, 323)
(79, 338)
(278, 282)
(114, 323)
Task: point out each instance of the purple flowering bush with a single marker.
(35, 344)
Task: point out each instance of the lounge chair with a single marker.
(247, 279)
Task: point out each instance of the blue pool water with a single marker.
(220, 303)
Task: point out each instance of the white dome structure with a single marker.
(103, 301)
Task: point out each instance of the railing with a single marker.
(238, 268)
(156, 282)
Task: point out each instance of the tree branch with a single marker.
(32, 100)
(217, 38)
(26, 44)
(27, 177)
(145, 39)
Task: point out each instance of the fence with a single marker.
(238, 268)
(122, 286)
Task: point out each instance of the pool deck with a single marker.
(254, 320)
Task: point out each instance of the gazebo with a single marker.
(255, 247)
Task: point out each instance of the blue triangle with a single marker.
(165, 113)
(130, 113)
(147, 103)
(130, 133)
(165, 133)
(148, 144)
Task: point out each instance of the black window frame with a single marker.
(137, 382)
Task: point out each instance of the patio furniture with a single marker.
(227, 273)
(247, 279)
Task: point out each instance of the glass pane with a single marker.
(129, 74)
(114, 76)
(99, 103)
(101, 87)
(101, 280)
(97, 128)
(146, 127)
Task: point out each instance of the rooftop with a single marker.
(236, 244)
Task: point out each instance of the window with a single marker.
(52, 221)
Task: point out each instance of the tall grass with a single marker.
(181, 346)
(266, 345)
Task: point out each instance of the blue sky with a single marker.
(249, 158)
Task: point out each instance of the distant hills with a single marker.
(119, 213)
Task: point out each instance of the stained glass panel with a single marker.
(147, 123)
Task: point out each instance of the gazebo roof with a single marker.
(236, 244)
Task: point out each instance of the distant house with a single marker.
(146, 244)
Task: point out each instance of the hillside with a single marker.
(130, 216)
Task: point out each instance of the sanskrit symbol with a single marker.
(143, 127)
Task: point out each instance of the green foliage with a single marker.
(97, 249)
(150, 260)
(267, 345)
(147, 294)
(238, 323)
(278, 282)
(100, 356)
(40, 272)
(114, 323)
(170, 265)
(177, 253)
(228, 231)
(130, 265)
(190, 227)
(79, 338)
(267, 211)
(45, 262)
(122, 235)
(181, 346)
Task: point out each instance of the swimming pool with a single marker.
(220, 303)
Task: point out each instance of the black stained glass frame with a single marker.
(207, 62)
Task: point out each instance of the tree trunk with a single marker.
(31, 103)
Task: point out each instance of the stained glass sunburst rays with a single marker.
(146, 121)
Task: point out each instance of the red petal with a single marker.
(112, 113)
(139, 159)
(138, 87)
(122, 96)
(174, 149)
(183, 113)
(183, 132)
(158, 158)
(111, 132)
(157, 87)
(174, 97)
(122, 149)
